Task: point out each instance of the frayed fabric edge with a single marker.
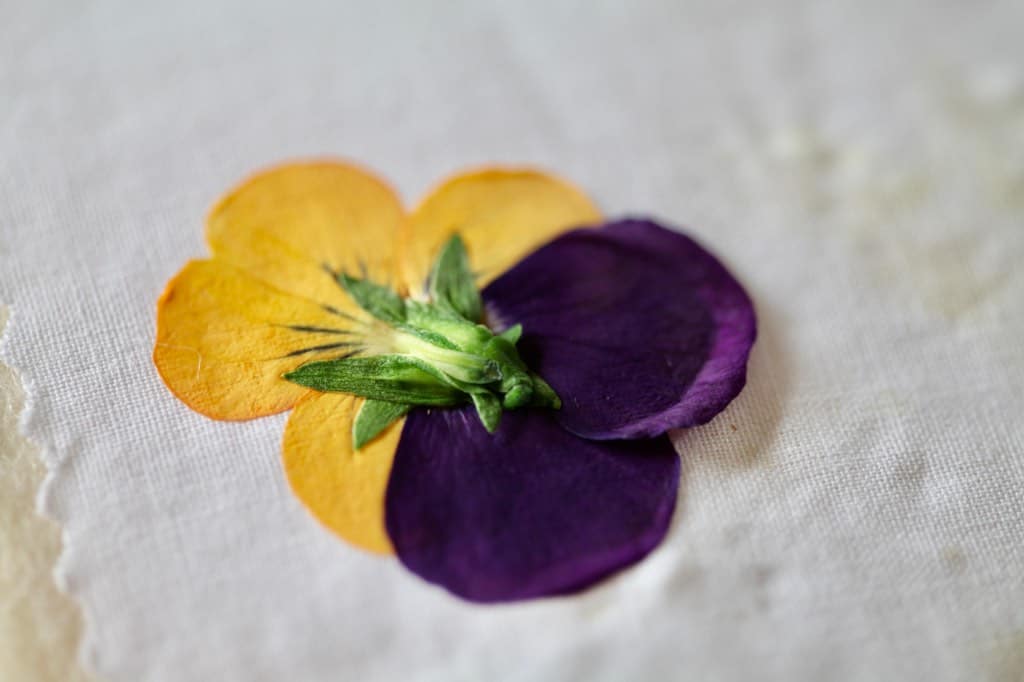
(71, 608)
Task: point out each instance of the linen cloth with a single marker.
(39, 627)
(858, 512)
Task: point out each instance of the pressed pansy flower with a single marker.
(505, 443)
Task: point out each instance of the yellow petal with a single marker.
(224, 339)
(501, 214)
(291, 225)
(343, 488)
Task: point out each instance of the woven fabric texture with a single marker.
(858, 512)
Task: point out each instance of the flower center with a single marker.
(434, 352)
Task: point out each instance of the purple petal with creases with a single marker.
(637, 327)
(529, 511)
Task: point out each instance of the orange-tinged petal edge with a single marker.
(224, 339)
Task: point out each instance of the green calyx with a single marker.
(432, 353)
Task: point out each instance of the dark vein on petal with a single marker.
(315, 330)
(334, 311)
(322, 347)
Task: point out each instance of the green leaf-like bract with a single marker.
(543, 394)
(392, 378)
(375, 416)
(451, 282)
(434, 353)
(512, 334)
(376, 299)
(439, 353)
(488, 408)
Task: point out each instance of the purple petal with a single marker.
(638, 328)
(527, 512)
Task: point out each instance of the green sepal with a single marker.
(392, 378)
(373, 417)
(429, 335)
(519, 395)
(512, 334)
(376, 299)
(543, 394)
(451, 281)
(516, 385)
(436, 353)
(488, 408)
(468, 336)
(434, 349)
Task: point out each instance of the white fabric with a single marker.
(857, 514)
